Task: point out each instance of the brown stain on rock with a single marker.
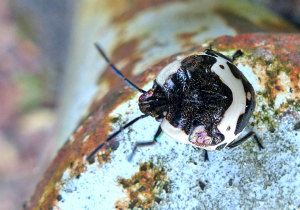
(277, 87)
(71, 155)
(77, 167)
(143, 188)
(186, 38)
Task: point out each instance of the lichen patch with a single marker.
(143, 188)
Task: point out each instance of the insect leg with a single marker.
(148, 143)
(116, 70)
(238, 53)
(205, 153)
(245, 138)
(114, 135)
(205, 156)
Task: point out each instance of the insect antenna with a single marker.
(115, 134)
(238, 53)
(117, 71)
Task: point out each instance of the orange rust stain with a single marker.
(121, 205)
(153, 70)
(46, 192)
(186, 35)
(77, 167)
(185, 38)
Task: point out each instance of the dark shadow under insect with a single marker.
(154, 103)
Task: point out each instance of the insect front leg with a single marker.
(245, 138)
(148, 143)
(205, 156)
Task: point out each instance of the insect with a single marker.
(203, 100)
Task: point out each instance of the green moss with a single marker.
(294, 104)
(266, 116)
(116, 119)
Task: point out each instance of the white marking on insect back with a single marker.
(169, 69)
(249, 96)
(238, 105)
(161, 78)
(180, 135)
(173, 132)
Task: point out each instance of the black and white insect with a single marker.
(203, 100)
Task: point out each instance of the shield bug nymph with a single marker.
(203, 100)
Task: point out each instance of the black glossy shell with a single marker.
(197, 96)
(203, 100)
